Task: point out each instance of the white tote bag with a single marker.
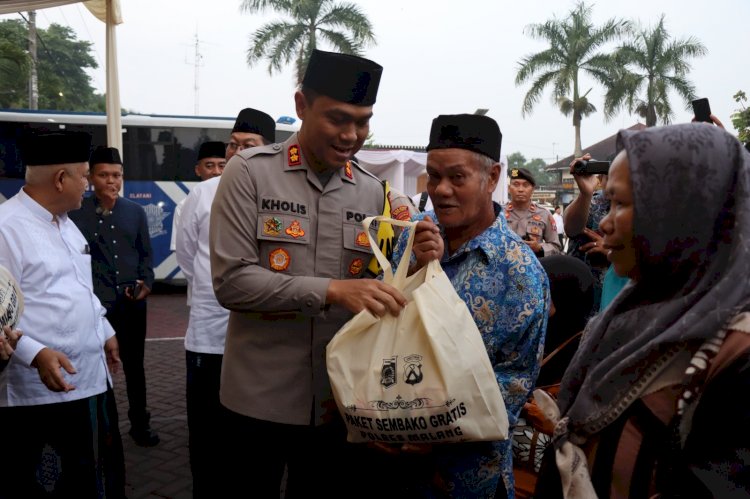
(421, 377)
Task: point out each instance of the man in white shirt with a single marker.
(211, 163)
(204, 340)
(56, 391)
(559, 225)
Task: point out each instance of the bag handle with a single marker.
(554, 352)
(403, 266)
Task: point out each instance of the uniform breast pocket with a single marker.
(357, 252)
(283, 242)
(535, 228)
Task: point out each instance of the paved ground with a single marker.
(162, 471)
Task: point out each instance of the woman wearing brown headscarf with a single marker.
(656, 400)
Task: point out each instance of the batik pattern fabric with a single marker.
(507, 292)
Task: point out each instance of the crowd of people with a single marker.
(642, 328)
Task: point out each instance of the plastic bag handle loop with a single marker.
(398, 279)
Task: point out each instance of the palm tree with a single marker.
(655, 64)
(342, 25)
(573, 48)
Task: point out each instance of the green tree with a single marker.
(574, 44)
(741, 118)
(536, 166)
(651, 65)
(61, 63)
(342, 25)
(14, 63)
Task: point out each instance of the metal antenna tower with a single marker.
(197, 65)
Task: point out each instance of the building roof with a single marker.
(601, 150)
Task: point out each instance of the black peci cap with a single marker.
(523, 174)
(212, 149)
(346, 78)
(109, 155)
(253, 121)
(54, 148)
(466, 131)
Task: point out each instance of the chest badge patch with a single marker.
(356, 266)
(279, 259)
(272, 226)
(295, 229)
(362, 240)
(348, 171)
(401, 213)
(293, 155)
(538, 218)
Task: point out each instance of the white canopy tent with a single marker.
(402, 168)
(107, 11)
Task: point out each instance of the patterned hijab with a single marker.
(691, 194)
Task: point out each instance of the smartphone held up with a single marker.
(591, 167)
(702, 110)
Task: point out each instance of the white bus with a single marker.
(159, 153)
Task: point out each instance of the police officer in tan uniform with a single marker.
(534, 224)
(288, 253)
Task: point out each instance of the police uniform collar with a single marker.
(347, 173)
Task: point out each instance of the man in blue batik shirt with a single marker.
(501, 281)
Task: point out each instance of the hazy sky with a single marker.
(439, 57)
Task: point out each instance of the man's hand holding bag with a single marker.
(421, 377)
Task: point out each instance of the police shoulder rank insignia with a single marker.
(295, 229)
(356, 266)
(279, 259)
(362, 240)
(272, 226)
(294, 157)
(401, 213)
(348, 170)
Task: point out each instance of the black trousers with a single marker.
(206, 421)
(63, 450)
(128, 318)
(319, 461)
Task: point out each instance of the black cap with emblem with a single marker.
(474, 132)
(109, 155)
(211, 149)
(54, 148)
(522, 174)
(346, 78)
(253, 121)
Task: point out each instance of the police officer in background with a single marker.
(287, 255)
(121, 259)
(534, 224)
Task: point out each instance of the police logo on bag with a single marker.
(413, 369)
(388, 372)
